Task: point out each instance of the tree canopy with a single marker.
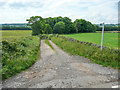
(59, 28)
(37, 24)
(47, 29)
(60, 25)
(82, 25)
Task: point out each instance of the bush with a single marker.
(19, 55)
(45, 36)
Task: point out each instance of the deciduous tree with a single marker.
(59, 28)
(47, 29)
(37, 24)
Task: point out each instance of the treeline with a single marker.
(15, 28)
(14, 24)
(59, 25)
(108, 28)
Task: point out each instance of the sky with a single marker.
(95, 11)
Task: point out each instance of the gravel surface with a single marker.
(57, 69)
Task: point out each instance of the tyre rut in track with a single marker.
(57, 69)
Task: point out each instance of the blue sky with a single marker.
(95, 11)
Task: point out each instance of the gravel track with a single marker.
(57, 69)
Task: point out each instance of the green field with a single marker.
(14, 34)
(110, 39)
(106, 57)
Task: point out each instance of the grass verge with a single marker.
(48, 43)
(19, 55)
(107, 57)
(110, 39)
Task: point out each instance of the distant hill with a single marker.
(25, 24)
(16, 24)
(114, 25)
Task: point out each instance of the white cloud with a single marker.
(95, 11)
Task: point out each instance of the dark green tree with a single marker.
(37, 24)
(59, 28)
(50, 21)
(47, 29)
(82, 25)
(69, 27)
(72, 28)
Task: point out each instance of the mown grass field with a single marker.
(14, 34)
(110, 39)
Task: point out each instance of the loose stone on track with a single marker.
(57, 69)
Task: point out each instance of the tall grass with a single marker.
(48, 43)
(14, 34)
(107, 57)
(19, 55)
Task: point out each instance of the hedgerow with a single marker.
(18, 55)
